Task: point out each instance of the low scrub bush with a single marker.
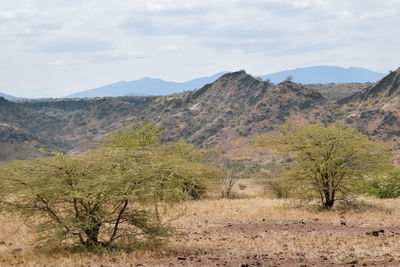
(383, 187)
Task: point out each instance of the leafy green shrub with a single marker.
(384, 187)
(193, 162)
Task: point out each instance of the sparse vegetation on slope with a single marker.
(375, 110)
(226, 114)
(236, 105)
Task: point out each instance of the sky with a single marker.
(52, 48)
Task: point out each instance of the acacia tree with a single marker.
(328, 159)
(196, 173)
(115, 193)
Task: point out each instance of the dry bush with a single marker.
(227, 183)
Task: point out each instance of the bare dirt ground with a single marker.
(292, 236)
(246, 232)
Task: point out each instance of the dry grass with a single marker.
(231, 231)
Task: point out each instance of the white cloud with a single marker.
(15, 14)
(172, 48)
(69, 45)
(75, 46)
(56, 63)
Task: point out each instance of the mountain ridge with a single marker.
(325, 74)
(152, 86)
(375, 111)
(145, 87)
(235, 107)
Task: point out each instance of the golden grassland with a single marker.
(256, 230)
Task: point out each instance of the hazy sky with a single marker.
(56, 47)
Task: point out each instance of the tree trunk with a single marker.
(328, 204)
(92, 235)
(329, 200)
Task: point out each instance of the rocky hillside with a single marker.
(376, 110)
(23, 131)
(223, 114)
(236, 105)
(17, 144)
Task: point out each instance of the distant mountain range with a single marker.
(155, 87)
(308, 75)
(146, 87)
(326, 74)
